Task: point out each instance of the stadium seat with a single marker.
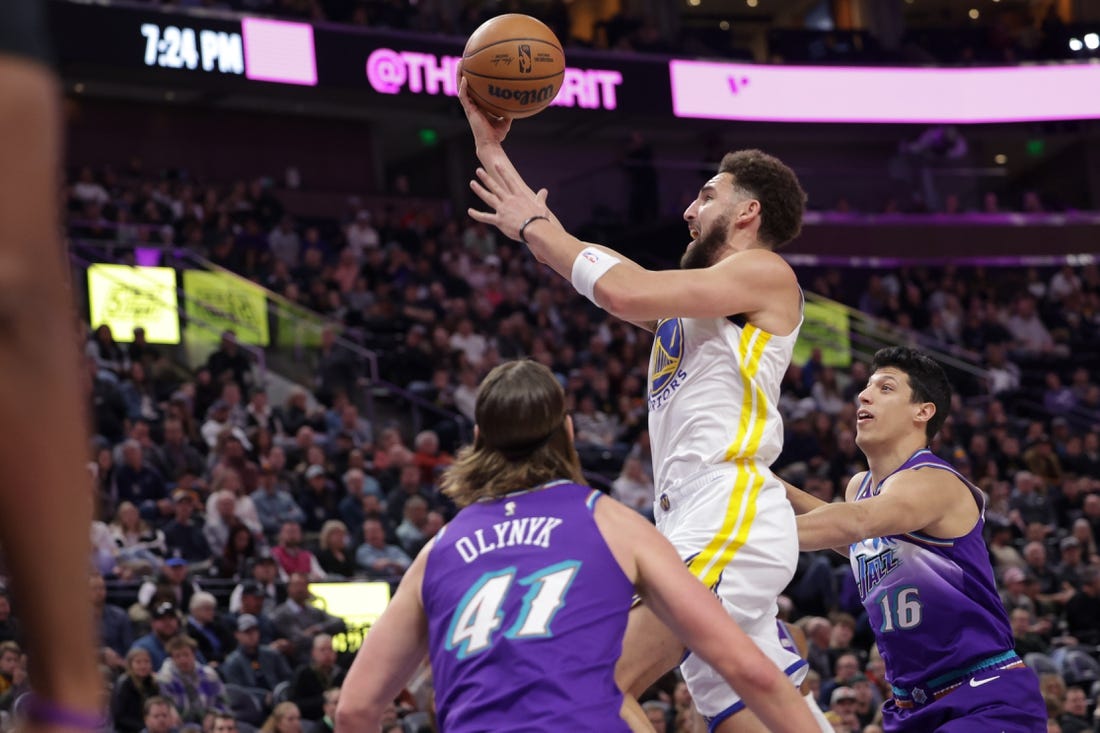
(1040, 663)
(281, 693)
(245, 706)
(1077, 667)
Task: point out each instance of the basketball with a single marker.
(514, 65)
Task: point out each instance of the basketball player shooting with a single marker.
(725, 325)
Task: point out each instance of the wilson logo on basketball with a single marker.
(523, 96)
(524, 54)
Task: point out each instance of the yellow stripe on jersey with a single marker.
(709, 564)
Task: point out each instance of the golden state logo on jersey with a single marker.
(665, 374)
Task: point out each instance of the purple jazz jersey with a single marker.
(526, 613)
(933, 606)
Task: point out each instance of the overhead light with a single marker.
(694, 3)
(751, 3)
(78, 88)
(1075, 44)
(1092, 41)
(973, 13)
(1000, 158)
(724, 25)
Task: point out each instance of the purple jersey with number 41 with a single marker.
(526, 609)
(931, 602)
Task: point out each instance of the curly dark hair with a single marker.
(775, 186)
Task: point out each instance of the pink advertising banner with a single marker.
(724, 91)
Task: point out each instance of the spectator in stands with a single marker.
(411, 532)
(284, 243)
(1023, 632)
(183, 534)
(252, 665)
(240, 551)
(172, 585)
(356, 484)
(299, 621)
(108, 409)
(180, 456)
(333, 556)
(408, 486)
(165, 625)
(231, 362)
(633, 487)
(252, 602)
(10, 660)
(1002, 552)
(231, 458)
(319, 500)
(218, 421)
(274, 504)
(263, 580)
(132, 690)
(1075, 705)
(336, 370)
(845, 668)
(292, 557)
(361, 235)
(1028, 505)
(111, 361)
(1083, 609)
(1072, 565)
(160, 715)
(1040, 567)
(327, 723)
(284, 719)
(1082, 530)
(310, 681)
(140, 484)
(116, 633)
(843, 701)
(1058, 399)
(193, 687)
(140, 545)
(214, 641)
(221, 521)
(428, 457)
(376, 558)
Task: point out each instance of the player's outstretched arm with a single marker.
(913, 501)
(45, 506)
(389, 656)
(696, 616)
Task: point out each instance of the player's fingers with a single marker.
(485, 194)
(542, 195)
(509, 179)
(490, 183)
(482, 216)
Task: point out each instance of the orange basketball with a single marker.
(513, 65)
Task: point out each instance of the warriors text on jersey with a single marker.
(713, 394)
(527, 608)
(932, 603)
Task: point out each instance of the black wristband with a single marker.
(527, 223)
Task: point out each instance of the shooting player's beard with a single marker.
(705, 250)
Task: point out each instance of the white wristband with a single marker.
(591, 264)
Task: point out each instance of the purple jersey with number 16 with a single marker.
(526, 609)
(939, 623)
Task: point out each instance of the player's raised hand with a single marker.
(512, 201)
(487, 129)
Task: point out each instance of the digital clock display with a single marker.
(174, 47)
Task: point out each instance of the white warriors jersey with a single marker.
(713, 394)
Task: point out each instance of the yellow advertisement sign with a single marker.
(125, 298)
(825, 327)
(217, 302)
(359, 604)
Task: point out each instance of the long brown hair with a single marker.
(521, 438)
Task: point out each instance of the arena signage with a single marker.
(126, 298)
(260, 56)
(708, 90)
(220, 301)
(391, 72)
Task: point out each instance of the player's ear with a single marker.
(569, 428)
(748, 210)
(477, 433)
(926, 411)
